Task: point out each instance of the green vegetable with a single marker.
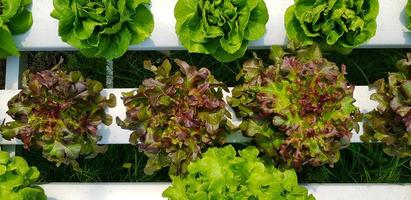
(222, 28)
(299, 110)
(16, 178)
(103, 28)
(220, 174)
(175, 116)
(408, 12)
(390, 122)
(15, 18)
(339, 25)
(59, 112)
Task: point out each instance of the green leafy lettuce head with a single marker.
(15, 18)
(59, 112)
(221, 174)
(175, 116)
(299, 110)
(390, 122)
(16, 178)
(222, 28)
(408, 12)
(103, 28)
(339, 25)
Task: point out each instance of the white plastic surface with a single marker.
(391, 31)
(153, 191)
(12, 83)
(12, 73)
(113, 134)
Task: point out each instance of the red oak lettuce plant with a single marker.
(390, 122)
(59, 112)
(299, 110)
(175, 116)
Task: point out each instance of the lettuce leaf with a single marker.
(16, 179)
(175, 116)
(299, 110)
(338, 25)
(103, 28)
(59, 113)
(221, 174)
(220, 28)
(15, 18)
(408, 13)
(390, 122)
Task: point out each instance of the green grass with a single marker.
(360, 163)
(129, 70)
(104, 168)
(72, 61)
(364, 66)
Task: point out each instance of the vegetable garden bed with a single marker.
(391, 33)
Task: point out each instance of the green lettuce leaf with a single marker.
(338, 25)
(174, 116)
(103, 28)
(220, 28)
(16, 179)
(299, 110)
(15, 18)
(221, 174)
(408, 13)
(59, 113)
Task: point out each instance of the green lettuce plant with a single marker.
(390, 122)
(175, 116)
(16, 179)
(103, 28)
(339, 25)
(408, 12)
(299, 110)
(59, 113)
(221, 174)
(222, 28)
(15, 18)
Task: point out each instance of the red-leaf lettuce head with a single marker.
(299, 110)
(174, 116)
(59, 113)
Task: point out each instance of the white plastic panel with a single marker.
(113, 134)
(12, 83)
(153, 191)
(12, 73)
(391, 31)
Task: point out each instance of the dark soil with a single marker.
(2, 73)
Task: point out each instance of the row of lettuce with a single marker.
(222, 29)
(297, 108)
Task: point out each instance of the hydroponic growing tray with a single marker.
(43, 36)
